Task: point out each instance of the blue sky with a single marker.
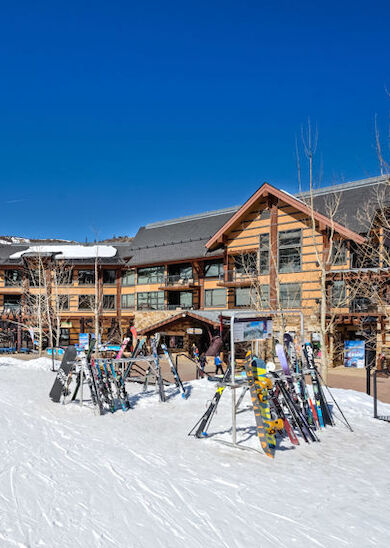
(115, 114)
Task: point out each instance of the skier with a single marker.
(218, 364)
(195, 352)
(202, 363)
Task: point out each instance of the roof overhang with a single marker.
(175, 318)
(268, 190)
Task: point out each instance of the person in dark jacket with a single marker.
(202, 363)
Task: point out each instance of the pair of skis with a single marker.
(200, 428)
(176, 376)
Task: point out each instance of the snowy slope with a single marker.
(70, 478)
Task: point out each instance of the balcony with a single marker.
(179, 307)
(177, 283)
(235, 278)
(363, 305)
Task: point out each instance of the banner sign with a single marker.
(354, 353)
(252, 330)
(194, 330)
(84, 340)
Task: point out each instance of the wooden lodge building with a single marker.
(178, 276)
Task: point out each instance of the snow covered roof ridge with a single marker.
(69, 251)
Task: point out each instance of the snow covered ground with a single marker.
(70, 478)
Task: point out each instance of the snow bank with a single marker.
(136, 480)
(45, 364)
(70, 251)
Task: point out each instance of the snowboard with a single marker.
(258, 387)
(63, 373)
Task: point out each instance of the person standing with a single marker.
(202, 364)
(218, 365)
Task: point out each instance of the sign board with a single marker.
(84, 340)
(194, 330)
(66, 324)
(252, 330)
(354, 352)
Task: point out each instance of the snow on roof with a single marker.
(69, 251)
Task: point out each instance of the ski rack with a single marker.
(385, 418)
(233, 386)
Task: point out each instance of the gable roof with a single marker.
(172, 319)
(265, 190)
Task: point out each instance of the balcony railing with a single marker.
(363, 305)
(180, 307)
(178, 281)
(235, 278)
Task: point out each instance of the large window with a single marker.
(247, 297)
(128, 278)
(290, 296)
(12, 278)
(150, 300)
(339, 252)
(213, 269)
(109, 302)
(86, 277)
(36, 277)
(86, 302)
(12, 302)
(109, 277)
(151, 275)
(128, 301)
(264, 253)
(246, 263)
(215, 298)
(290, 243)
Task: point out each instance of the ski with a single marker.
(202, 425)
(323, 411)
(176, 376)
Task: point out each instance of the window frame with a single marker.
(295, 303)
(287, 247)
(212, 292)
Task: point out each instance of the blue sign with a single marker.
(354, 354)
(83, 340)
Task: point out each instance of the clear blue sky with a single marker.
(115, 114)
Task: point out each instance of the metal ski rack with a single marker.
(385, 418)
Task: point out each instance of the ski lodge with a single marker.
(179, 276)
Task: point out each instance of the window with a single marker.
(64, 276)
(249, 297)
(290, 295)
(63, 302)
(151, 275)
(109, 277)
(290, 251)
(12, 278)
(264, 253)
(215, 297)
(12, 302)
(36, 277)
(108, 302)
(128, 278)
(128, 301)
(246, 263)
(180, 273)
(339, 252)
(265, 214)
(339, 294)
(86, 277)
(86, 302)
(213, 269)
(150, 300)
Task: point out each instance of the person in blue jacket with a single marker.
(218, 365)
